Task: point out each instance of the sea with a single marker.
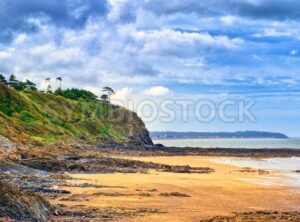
(287, 168)
(292, 143)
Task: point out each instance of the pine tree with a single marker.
(104, 97)
(2, 79)
(30, 85)
(109, 91)
(49, 89)
(13, 82)
(60, 81)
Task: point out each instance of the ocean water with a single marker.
(293, 143)
(284, 167)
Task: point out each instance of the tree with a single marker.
(13, 82)
(30, 85)
(76, 94)
(2, 79)
(60, 81)
(20, 86)
(48, 84)
(109, 91)
(104, 97)
(49, 90)
(16, 84)
(59, 92)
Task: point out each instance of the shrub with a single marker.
(26, 116)
(76, 94)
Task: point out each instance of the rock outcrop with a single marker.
(139, 135)
(259, 216)
(23, 205)
(8, 149)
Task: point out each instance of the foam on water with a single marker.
(285, 168)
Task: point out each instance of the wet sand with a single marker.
(183, 196)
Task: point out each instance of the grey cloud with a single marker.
(268, 9)
(15, 14)
(127, 11)
(129, 66)
(143, 69)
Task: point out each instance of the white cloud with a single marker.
(228, 20)
(5, 54)
(177, 43)
(204, 48)
(273, 32)
(157, 91)
(156, 49)
(122, 94)
(119, 9)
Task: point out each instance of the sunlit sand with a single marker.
(225, 191)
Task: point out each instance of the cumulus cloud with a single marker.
(121, 96)
(182, 44)
(126, 43)
(123, 11)
(157, 91)
(200, 49)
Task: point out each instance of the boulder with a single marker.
(8, 149)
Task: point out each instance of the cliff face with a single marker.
(39, 118)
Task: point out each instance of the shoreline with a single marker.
(243, 138)
(257, 143)
(150, 183)
(156, 150)
(199, 196)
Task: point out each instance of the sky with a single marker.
(165, 52)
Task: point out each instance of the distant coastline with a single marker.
(216, 135)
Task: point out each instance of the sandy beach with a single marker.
(168, 196)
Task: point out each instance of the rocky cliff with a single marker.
(40, 118)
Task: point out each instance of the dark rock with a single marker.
(108, 165)
(23, 205)
(174, 194)
(259, 216)
(152, 190)
(45, 190)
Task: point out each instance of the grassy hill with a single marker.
(41, 118)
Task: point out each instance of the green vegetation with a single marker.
(76, 94)
(18, 85)
(2, 79)
(104, 97)
(26, 116)
(109, 91)
(67, 116)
